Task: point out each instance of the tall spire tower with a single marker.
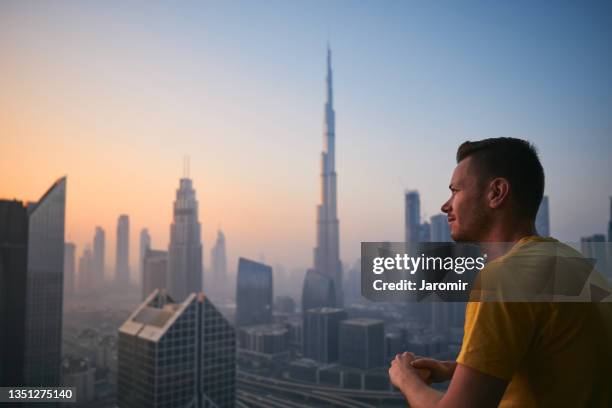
(185, 249)
(327, 252)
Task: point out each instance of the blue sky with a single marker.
(240, 87)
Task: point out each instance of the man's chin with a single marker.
(458, 237)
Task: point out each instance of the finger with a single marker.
(423, 363)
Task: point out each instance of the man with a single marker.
(514, 354)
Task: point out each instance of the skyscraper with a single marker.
(185, 249)
(610, 223)
(543, 219)
(318, 291)
(594, 247)
(122, 265)
(98, 256)
(412, 216)
(362, 343)
(327, 252)
(45, 287)
(69, 268)
(13, 274)
(440, 231)
(154, 271)
(218, 285)
(87, 277)
(321, 333)
(176, 355)
(145, 243)
(254, 294)
(31, 289)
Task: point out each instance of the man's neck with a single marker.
(508, 233)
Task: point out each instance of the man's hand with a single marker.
(402, 371)
(439, 371)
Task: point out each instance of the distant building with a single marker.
(321, 333)
(543, 218)
(412, 216)
(87, 278)
(218, 284)
(80, 374)
(440, 231)
(155, 271)
(253, 293)
(31, 289)
(362, 343)
(145, 243)
(327, 251)
(595, 248)
(69, 268)
(610, 223)
(99, 245)
(122, 259)
(284, 304)
(266, 339)
(176, 355)
(318, 291)
(185, 249)
(441, 312)
(425, 232)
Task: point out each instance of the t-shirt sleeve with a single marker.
(497, 336)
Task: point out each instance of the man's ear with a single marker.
(499, 189)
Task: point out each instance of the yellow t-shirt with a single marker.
(553, 354)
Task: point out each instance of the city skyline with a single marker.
(407, 94)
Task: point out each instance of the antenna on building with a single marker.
(186, 167)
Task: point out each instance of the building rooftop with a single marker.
(363, 321)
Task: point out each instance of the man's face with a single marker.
(467, 209)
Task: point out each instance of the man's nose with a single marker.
(446, 206)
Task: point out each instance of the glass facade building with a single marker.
(185, 249)
(362, 343)
(254, 297)
(321, 333)
(176, 355)
(318, 291)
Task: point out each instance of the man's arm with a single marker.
(468, 388)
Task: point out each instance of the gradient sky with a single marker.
(114, 95)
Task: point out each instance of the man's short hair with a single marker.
(517, 161)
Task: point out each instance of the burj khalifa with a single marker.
(327, 252)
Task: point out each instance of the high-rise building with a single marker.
(122, 260)
(218, 284)
(45, 286)
(362, 343)
(610, 223)
(185, 249)
(327, 252)
(425, 232)
(543, 219)
(176, 355)
(412, 216)
(154, 271)
(440, 231)
(594, 247)
(145, 243)
(13, 276)
(318, 291)
(321, 333)
(254, 294)
(87, 278)
(69, 268)
(31, 289)
(98, 256)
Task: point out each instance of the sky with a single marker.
(115, 94)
